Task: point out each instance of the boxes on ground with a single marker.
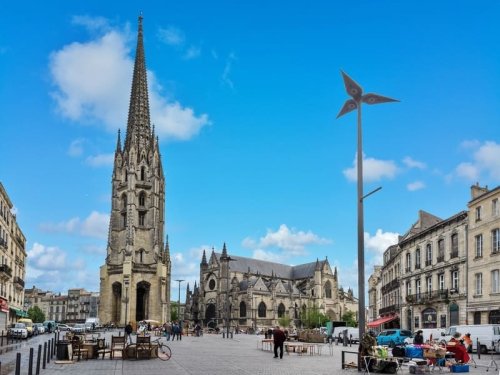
(434, 352)
(418, 369)
(459, 368)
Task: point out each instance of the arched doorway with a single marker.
(142, 301)
(454, 314)
(116, 306)
(210, 316)
(494, 317)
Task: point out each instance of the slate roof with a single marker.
(265, 268)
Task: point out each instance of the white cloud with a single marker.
(192, 53)
(379, 243)
(410, 163)
(416, 185)
(92, 85)
(373, 170)
(291, 242)
(485, 162)
(95, 225)
(76, 147)
(470, 144)
(46, 258)
(267, 256)
(226, 74)
(100, 160)
(92, 24)
(171, 36)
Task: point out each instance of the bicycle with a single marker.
(144, 348)
(163, 351)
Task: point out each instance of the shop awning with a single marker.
(383, 320)
(20, 313)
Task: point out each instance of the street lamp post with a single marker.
(126, 301)
(179, 300)
(356, 93)
(227, 259)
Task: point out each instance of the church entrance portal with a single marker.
(142, 305)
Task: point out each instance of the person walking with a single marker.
(128, 332)
(279, 339)
(418, 339)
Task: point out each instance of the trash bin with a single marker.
(62, 350)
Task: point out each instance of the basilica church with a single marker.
(135, 278)
(252, 293)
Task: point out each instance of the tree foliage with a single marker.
(36, 314)
(350, 318)
(174, 311)
(314, 318)
(284, 321)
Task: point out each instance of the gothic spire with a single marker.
(119, 143)
(167, 250)
(204, 258)
(224, 251)
(138, 125)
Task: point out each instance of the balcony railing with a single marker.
(389, 309)
(19, 281)
(390, 286)
(433, 296)
(6, 270)
(440, 258)
(454, 254)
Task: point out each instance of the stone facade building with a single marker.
(12, 263)
(135, 279)
(256, 293)
(374, 293)
(484, 256)
(445, 272)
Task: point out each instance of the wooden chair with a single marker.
(78, 350)
(102, 348)
(117, 345)
(143, 347)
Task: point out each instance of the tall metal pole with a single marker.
(179, 300)
(356, 92)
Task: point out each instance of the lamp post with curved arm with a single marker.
(356, 93)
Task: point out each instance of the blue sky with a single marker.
(244, 97)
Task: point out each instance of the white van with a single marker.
(352, 334)
(487, 334)
(427, 333)
(92, 323)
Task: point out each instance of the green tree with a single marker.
(36, 314)
(173, 311)
(350, 318)
(284, 321)
(314, 318)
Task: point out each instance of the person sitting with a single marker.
(418, 339)
(455, 346)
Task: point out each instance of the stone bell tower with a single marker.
(135, 278)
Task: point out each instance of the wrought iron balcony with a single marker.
(426, 297)
(440, 258)
(19, 281)
(6, 270)
(390, 286)
(389, 309)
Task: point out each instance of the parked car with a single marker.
(78, 328)
(393, 337)
(18, 330)
(63, 327)
(29, 326)
(39, 327)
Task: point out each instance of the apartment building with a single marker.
(12, 263)
(484, 256)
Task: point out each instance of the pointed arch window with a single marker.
(142, 199)
(328, 290)
(262, 310)
(123, 202)
(243, 309)
(281, 310)
(142, 218)
(143, 173)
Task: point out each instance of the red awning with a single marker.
(383, 320)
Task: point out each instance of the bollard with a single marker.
(38, 359)
(1, 344)
(49, 350)
(30, 363)
(18, 364)
(478, 348)
(52, 352)
(44, 354)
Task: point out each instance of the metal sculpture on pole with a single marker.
(356, 92)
